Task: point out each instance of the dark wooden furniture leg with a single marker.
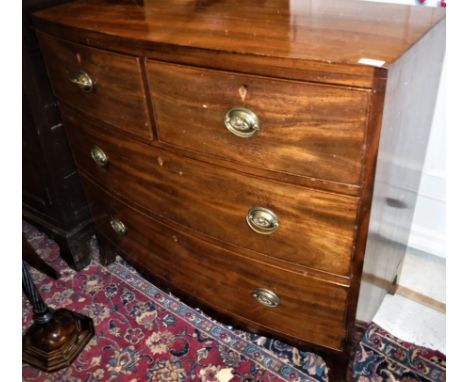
(107, 250)
(73, 242)
(56, 337)
(53, 199)
(33, 259)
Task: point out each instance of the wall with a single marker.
(428, 229)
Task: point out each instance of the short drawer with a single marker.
(313, 228)
(299, 128)
(297, 306)
(105, 85)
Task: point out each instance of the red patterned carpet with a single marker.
(144, 334)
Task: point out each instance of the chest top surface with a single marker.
(339, 32)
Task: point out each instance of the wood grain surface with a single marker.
(316, 228)
(313, 40)
(224, 279)
(118, 98)
(277, 28)
(300, 131)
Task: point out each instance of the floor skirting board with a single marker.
(405, 292)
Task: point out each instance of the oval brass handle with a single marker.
(262, 220)
(242, 122)
(266, 297)
(83, 81)
(118, 226)
(99, 156)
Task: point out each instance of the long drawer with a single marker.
(313, 228)
(260, 295)
(105, 85)
(293, 127)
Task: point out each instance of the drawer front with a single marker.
(309, 309)
(298, 128)
(105, 85)
(315, 228)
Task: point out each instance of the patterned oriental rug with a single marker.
(381, 357)
(145, 334)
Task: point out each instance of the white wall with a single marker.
(430, 3)
(428, 228)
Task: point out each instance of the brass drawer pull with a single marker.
(83, 81)
(262, 220)
(242, 122)
(118, 226)
(266, 297)
(99, 156)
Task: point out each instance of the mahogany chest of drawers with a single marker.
(229, 150)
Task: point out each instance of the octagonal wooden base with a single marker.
(54, 345)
